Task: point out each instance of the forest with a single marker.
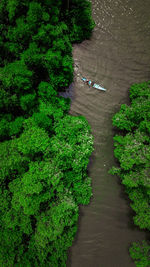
(44, 151)
(132, 152)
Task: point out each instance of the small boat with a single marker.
(95, 85)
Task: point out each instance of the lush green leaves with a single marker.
(141, 206)
(46, 92)
(16, 75)
(140, 252)
(33, 140)
(140, 89)
(44, 152)
(72, 144)
(34, 14)
(11, 8)
(32, 56)
(133, 153)
(51, 224)
(27, 102)
(15, 127)
(11, 245)
(11, 161)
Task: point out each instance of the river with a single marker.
(117, 55)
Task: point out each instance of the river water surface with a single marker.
(117, 55)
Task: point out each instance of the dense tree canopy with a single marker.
(44, 152)
(132, 150)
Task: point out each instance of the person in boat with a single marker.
(88, 82)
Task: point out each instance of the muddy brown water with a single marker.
(117, 55)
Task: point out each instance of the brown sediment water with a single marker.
(116, 56)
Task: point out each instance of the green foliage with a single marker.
(55, 109)
(9, 127)
(31, 56)
(79, 20)
(140, 204)
(27, 102)
(33, 139)
(140, 90)
(44, 35)
(11, 8)
(34, 14)
(46, 92)
(17, 76)
(122, 119)
(43, 121)
(44, 152)
(27, 196)
(7, 100)
(145, 126)
(72, 144)
(13, 49)
(140, 252)
(83, 191)
(62, 45)
(11, 246)
(4, 127)
(51, 110)
(50, 225)
(20, 32)
(35, 189)
(129, 117)
(71, 148)
(52, 60)
(133, 153)
(16, 163)
(15, 219)
(16, 126)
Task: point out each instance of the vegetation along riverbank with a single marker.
(44, 152)
(132, 150)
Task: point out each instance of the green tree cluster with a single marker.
(79, 20)
(44, 152)
(132, 150)
(140, 252)
(35, 47)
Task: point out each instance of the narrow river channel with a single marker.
(117, 55)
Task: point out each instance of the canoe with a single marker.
(95, 85)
